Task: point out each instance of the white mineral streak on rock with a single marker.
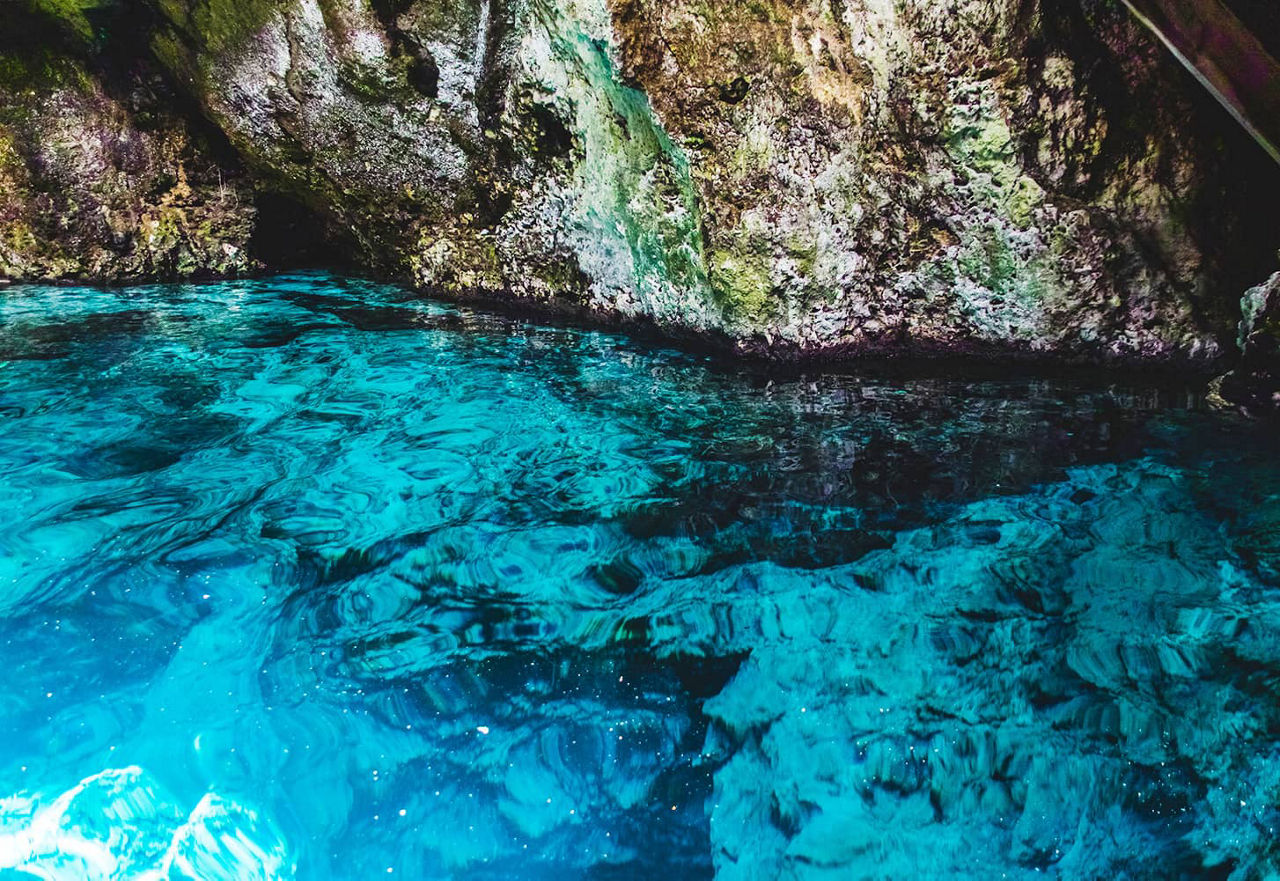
(482, 38)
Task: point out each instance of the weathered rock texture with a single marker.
(795, 176)
(1255, 381)
(99, 177)
(956, 173)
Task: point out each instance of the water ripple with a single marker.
(371, 583)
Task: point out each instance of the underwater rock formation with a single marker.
(120, 823)
(792, 176)
(476, 598)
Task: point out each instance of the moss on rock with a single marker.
(87, 190)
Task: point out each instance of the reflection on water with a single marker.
(306, 577)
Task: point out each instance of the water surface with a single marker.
(306, 577)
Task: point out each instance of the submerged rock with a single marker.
(858, 753)
(481, 599)
(121, 823)
(794, 176)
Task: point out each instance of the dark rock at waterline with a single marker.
(1255, 382)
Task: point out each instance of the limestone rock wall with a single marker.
(951, 174)
(106, 183)
(824, 177)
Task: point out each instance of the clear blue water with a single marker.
(307, 578)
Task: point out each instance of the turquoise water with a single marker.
(306, 578)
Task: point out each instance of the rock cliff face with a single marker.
(99, 176)
(793, 176)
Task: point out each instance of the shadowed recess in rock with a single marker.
(307, 577)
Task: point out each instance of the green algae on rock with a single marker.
(942, 160)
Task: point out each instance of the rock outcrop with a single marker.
(100, 177)
(958, 174)
(796, 177)
(1255, 381)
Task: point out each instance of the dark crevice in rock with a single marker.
(289, 235)
(492, 204)
(424, 73)
(553, 136)
(734, 92)
(388, 11)
(496, 65)
(421, 68)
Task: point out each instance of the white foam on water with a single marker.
(121, 824)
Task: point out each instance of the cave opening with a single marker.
(290, 235)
